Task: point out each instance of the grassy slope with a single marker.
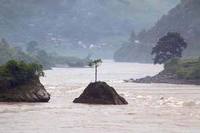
(185, 69)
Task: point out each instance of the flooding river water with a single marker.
(152, 108)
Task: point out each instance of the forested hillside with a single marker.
(10, 53)
(32, 54)
(78, 27)
(184, 19)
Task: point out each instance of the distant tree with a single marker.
(168, 47)
(95, 64)
(132, 37)
(32, 47)
(141, 34)
(18, 48)
(44, 58)
(3, 40)
(4, 43)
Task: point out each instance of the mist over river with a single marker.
(152, 108)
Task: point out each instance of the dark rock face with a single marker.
(100, 93)
(32, 91)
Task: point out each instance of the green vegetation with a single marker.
(184, 19)
(10, 53)
(115, 24)
(33, 54)
(133, 52)
(168, 47)
(95, 63)
(184, 69)
(19, 72)
(48, 60)
(32, 47)
(71, 61)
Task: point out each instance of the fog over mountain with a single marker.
(78, 25)
(184, 19)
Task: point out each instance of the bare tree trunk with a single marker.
(95, 73)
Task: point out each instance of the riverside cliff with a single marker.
(31, 91)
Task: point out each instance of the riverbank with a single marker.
(175, 72)
(164, 77)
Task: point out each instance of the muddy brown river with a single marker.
(152, 108)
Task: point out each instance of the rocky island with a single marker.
(100, 93)
(19, 82)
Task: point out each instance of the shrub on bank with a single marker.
(19, 72)
(184, 69)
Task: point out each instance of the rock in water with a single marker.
(100, 93)
(32, 91)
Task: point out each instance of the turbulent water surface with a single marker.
(152, 108)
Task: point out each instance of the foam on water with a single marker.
(152, 108)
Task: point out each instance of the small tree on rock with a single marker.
(95, 64)
(169, 47)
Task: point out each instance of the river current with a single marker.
(152, 108)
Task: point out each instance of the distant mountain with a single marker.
(184, 18)
(78, 26)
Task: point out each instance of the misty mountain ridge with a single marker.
(184, 19)
(78, 24)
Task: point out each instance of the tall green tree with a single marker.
(95, 63)
(168, 47)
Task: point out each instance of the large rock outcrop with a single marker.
(32, 91)
(100, 93)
